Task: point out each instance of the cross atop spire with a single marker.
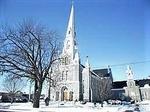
(87, 64)
(72, 2)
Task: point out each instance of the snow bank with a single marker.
(72, 107)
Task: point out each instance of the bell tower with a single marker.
(132, 90)
(130, 80)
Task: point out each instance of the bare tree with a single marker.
(29, 50)
(13, 85)
(105, 89)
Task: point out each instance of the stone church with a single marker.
(75, 81)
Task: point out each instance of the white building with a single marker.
(74, 81)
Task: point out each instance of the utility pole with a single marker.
(50, 83)
(30, 90)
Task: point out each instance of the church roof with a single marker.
(121, 84)
(142, 82)
(102, 72)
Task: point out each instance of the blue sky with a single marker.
(110, 32)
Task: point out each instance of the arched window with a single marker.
(66, 60)
(63, 61)
(62, 75)
(66, 75)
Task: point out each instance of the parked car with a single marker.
(21, 99)
(125, 103)
(128, 111)
(115, 102)
(0, 98)
(5, 98)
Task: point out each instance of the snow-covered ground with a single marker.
(71, 107)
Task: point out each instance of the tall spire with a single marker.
(70, 47)
(71, 27)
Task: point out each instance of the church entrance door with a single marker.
(64, 94)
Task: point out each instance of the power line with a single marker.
(131, 63)
(123, 64)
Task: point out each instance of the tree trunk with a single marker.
(102, 102)
(37, 94)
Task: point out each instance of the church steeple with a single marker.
(129, 73)
(71, 27)
(70, 47)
